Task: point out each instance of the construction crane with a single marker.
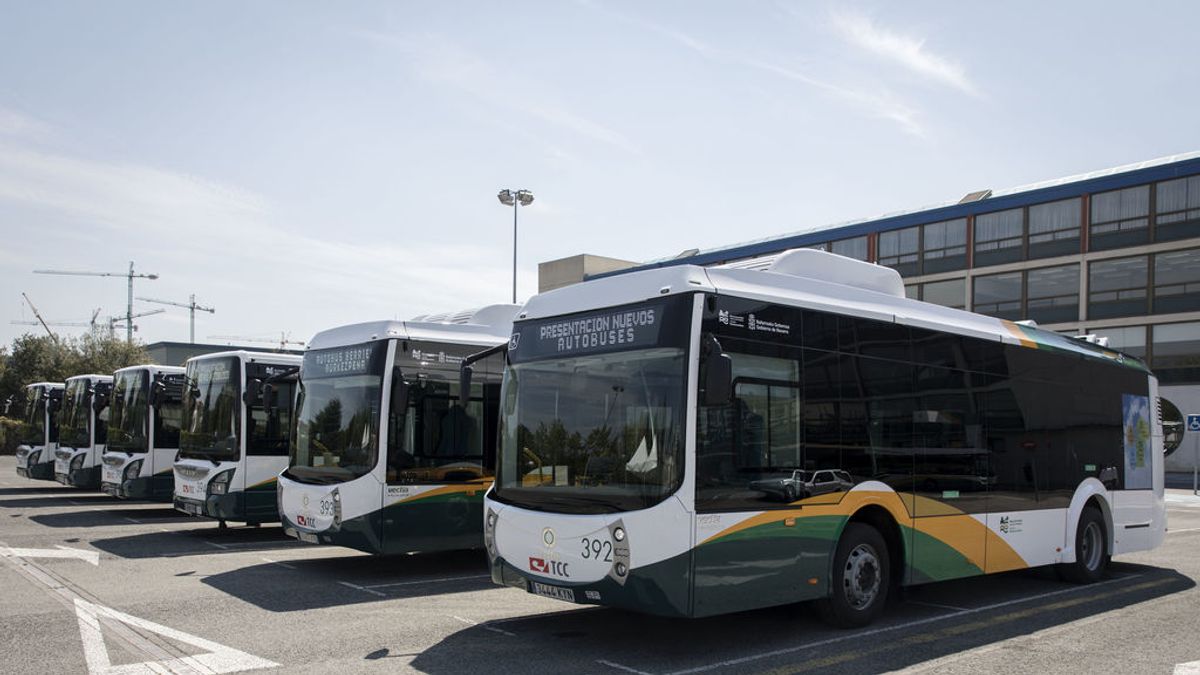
(191, 306)
(39, 316)
(283, 340)
(130, 275)
(113, 321)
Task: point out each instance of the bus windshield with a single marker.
(592, 433)
(210, 410)
(599, 426)
(128, 411)
(76, 413)
(35, 417)
(337, 420)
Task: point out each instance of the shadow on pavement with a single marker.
(155, 515)
(912, 631)
(195, 536)
(62, 500)
(354, 579)
(37, 490)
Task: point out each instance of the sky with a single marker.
(304, 165)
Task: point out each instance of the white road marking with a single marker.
(214, 544)
(281, 564)
(362, 588)
(888, 629)
(485, 626)
(218, 658)
(618, 666)
(429, 581)
(60, 552)
(1189, 668)
(135, 521)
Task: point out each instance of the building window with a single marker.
(999, 295)
(998, 237)
(1128, 339)
(1054, 228)
(1053, 294)
(1176, 358)
(898, 250)
(1177, 281)
(1120, 218)
(1117, 287)
(1177, 209)
(950, 293)
(944, 246)
(912, 291)
(851, 248)
(818, 247)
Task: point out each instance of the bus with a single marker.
(648, 421)
(83, 431)
(237, 408)
(39, 433)
(385, 457)
(143, 433)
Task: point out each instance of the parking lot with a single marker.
(91, 584)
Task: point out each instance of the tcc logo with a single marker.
(551, 567)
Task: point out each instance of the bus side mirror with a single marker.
(254, 390)
(267, 393)
(717, 385)
(99, 401)
(158, 393)
(464, 385)
(399, 394)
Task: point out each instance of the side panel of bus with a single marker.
(974, 449)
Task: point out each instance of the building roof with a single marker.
(1163, 168)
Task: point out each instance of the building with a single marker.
(177, 353)
(1114, 252)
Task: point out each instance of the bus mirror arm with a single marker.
(718, 374)
(253, 391)
(466, 371)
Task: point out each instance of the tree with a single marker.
(53, 359)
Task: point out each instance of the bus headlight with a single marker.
(77, 461)
(133, 469)
(219, 484)
(337, 509)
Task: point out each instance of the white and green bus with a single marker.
(651, 424)
(143, 433)
(83, 431)
(39, 432)
(237, 408)
(385, 457)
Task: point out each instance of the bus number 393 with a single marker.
(595, 549)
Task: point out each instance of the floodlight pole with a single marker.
(515, 199)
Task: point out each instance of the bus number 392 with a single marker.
(596, 549)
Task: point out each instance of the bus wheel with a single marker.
(1091, 544)
(860, 579)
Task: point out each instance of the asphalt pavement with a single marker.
(90, 584)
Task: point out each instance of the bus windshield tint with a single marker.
(127, 412)
(337, 423)
(593, 434)
(76, 412)
(210, 409)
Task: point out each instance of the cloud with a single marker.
(226, 244)
(444, 63)
(868, 99)
(13, 123)
(903, 50)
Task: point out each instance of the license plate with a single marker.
(188, 507)
(548, 591)
(111, 490)
(23, 472)
(62, 478)
(307, 537)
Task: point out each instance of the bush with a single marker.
(10, 434)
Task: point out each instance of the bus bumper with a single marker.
(43, 471)
(242, 507)
(157, 488)
(81, 478)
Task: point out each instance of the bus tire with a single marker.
(860, 580)
(1091, 554)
